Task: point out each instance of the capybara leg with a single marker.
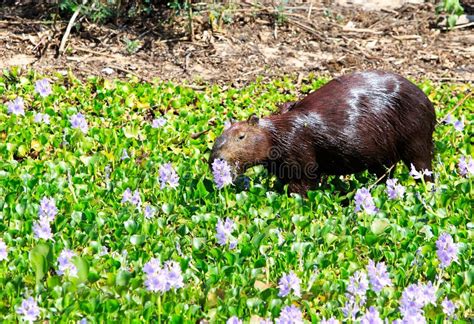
(302, 187)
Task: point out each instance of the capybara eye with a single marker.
(241, 136)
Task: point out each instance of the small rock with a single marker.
(107, 71)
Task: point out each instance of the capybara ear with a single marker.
(253, 120)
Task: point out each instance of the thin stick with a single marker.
(406, 37)
(190, 21)
(361, 30)
(462, 26)
(383, 176)
(83, 49)
(121, 69)
(69, 27)
(455, 107)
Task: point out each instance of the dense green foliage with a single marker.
(320, 238)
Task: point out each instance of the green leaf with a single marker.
(123, 278)
(379, 226)
(167, 208)
(39, 256)
(137, 239)
(452, 20)
(82, 268)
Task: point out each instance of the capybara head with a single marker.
(242, 145)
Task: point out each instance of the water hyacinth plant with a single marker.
(3, 250)
(79, 121)
(89, 236)
(222, 173)
(364, 201)
(29, 310)
(158, 122)
(168, 176)
(288, 283)
(16, 107)
(43, 87)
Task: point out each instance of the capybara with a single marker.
(362, 121)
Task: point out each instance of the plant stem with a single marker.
(159, 308)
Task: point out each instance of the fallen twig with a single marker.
(361, 30)
(306, 28)
(463, 26)
(199, 134)
(69, 27)
(83, 49)
(406, 37)
(121, 69)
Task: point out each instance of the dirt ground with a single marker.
(244, 42)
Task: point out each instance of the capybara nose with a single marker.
(220, 141)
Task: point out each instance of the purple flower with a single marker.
(363, 200)
(124, 155)
(136, 200)
(331, 320)
(149, 212)
(358, 285)
(29, 310)
(234, 320)
(43, 87)
(39, 117)
(222, 173)
(378, 275)
(152, 266)
(174, 276)
(168, 176)
(446, 250)
(448, 307)
(48, 209)
(156, 282)
(394, 190)
(290, 315)
(411, 319)
(466, 168)
(351, 308)
(419, 174)
(65, 265)
(356, 294)
(372, 316)
(42, 229)
(16, 107)
(158, 122)
(127, 196)
(448, 119)
(459, 125)
(414, 298)
(79, 121)
(82, 321)
(289, 282)
(428, 293)
(162, 279)
(3, 250)
(224, 231)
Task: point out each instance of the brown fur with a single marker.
(368, 120)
